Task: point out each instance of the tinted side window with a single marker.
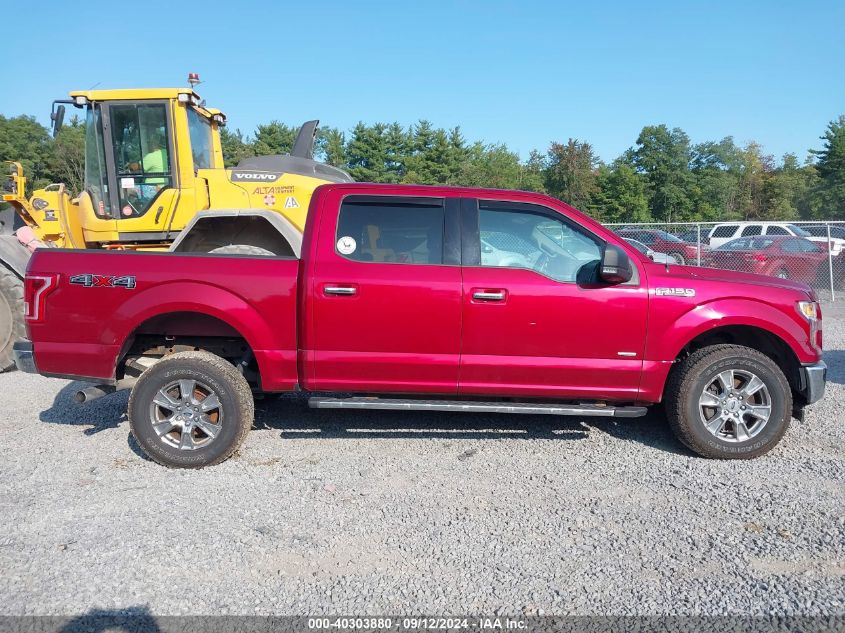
(776, 230)
(199, 129)
(391, 231)
(753, 229)
(724, 231)
(535, 241)
(791, 246)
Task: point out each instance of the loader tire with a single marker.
(243, 249)
(12, 327)
(191, 410)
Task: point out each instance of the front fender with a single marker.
(789, 327)
(669, 333)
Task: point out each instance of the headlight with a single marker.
(809, 309)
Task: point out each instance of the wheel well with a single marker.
(756, 338)
(166, 334)
(213, 232)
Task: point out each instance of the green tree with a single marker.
(273, 138)
(66, 162)
(827, 200)
(367, 154)
(571, 172)
(24, 140)
(330, 146)
(235, 147)
(620, 195)
(663, 156)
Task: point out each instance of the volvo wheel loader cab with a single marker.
(155, 180)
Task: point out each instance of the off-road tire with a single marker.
(688, 379)
(12, 326)
(231, 389)
(243, 249)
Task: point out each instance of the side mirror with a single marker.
(58, 118)
(616, 267)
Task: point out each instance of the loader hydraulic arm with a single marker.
(14, 192)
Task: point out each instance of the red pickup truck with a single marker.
(429, 298)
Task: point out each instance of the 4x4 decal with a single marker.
(103, 281)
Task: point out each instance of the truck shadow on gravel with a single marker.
(100, 415)
(835, 360)
(292, 417)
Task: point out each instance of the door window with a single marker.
(141, 155)
(199, 129)
(776, 230)
(391, 231)
(752, 229)
(523, 239)
(96, 183)
(724, 231)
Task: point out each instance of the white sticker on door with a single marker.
(346, 245)
(127, 183)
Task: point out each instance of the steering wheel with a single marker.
(543, 262)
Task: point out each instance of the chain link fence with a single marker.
(811, 252)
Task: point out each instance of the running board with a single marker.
(399, 404)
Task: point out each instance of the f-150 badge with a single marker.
(674, 292)
(103, 281)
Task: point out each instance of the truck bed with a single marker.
(103, 300)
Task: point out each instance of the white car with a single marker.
(659, 258)
(724, 233)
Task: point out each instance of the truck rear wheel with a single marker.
(190, 410)
(728, 402)
(12, 326)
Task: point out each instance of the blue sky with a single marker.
(523, 73)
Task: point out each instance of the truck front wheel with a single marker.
(11, 316)
(728, 402)
(190, 410)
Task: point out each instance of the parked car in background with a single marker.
(723, 233)
(662, 242)
(820, 230)
(781, 256)
(659, 258)
(692, 235)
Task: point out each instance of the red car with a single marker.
(783, 256)
(663, 242)
(432, 299)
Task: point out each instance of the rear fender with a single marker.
(193, 297)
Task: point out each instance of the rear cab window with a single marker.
(391, 230)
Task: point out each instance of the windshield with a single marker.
(747, 244)
(797, 230)
(668, 236)
(638, 245)
(95, 163)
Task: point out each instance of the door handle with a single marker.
(340, 290)
(494, 295)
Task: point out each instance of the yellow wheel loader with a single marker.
(155, 180)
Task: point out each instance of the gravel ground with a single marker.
(379, 513)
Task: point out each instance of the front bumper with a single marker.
(24, 359)
(813, 379)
